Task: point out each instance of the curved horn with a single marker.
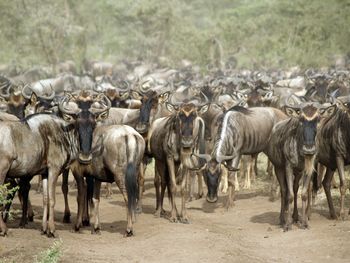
(62, 105)
(51, 96)
(206, 157)
(221, 158)
(103, 99)
(24, 91)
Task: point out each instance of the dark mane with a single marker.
(240, 109)
(27, 118)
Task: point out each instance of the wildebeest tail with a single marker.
(131, 186)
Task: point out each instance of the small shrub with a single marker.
(52, 254)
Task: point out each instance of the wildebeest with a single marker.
(334, 152)
(292, 150)
(45, 144)
(171, 141)
(118, 160)
(241, 132)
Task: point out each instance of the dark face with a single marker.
(149, 102)
(17, 105)
(212, 175)
(309, 135)
(254, 99)
(85, 125)
(187, 117)
(321, 85)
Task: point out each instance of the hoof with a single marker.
(138, 210)
(184, 221)
(190, 199)
(66, 219)
(173, 219)
(31, 218)
(96, 231)
(342, 216)
(287, 227)
(128, 233)
(295, 218)
(305, 226)
(51, 235)
(86, 222)
(76, 229)
(199, 196)
(3, 233)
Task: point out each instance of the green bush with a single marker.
(52, 254)
(269, 33)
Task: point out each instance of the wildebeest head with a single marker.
(149, 102)
(309, 114)
(258, 97)
(116, 97)
(38, 103)
(319, 87)
(212, 176)
(186, 117)
(84, 111)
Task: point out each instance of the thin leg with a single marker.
(342, 185)
(327, 189)
(66, 217)
(172, 174)
(96, 207)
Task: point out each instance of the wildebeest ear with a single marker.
(124, 96)
(33, 99)
(170, 107)
(102, 116)
(268, 95)
(203, 109)
(327, 112)
(135, 95)
(2, 99)
(68, 118)
(292, 112)
(164, 97)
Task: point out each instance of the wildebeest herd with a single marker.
(106, 124)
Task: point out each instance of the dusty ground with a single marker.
(249, 232)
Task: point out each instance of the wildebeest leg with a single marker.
(224, 181)
(129, 214)
(183, 216)
(321, 171)
(191, 181)
(231, 190)
(200, 184)
(304, 198)
(40, 184)
(109, 191)
(52, 180)
(254, 171)
(247, 182)
(342, 185)
(96, 210)
(81, 199)
(309, 198)
(30, 211)
(159, 177)
(172, 174)
(4, 167)
(280, 174)
(327, 188)
(141, 183)
(290, 180)
(295, 191)
(45, 204)
(24, 187)
(64, 187)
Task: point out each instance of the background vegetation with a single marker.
(267, 33)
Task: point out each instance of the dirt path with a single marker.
(246, 233)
